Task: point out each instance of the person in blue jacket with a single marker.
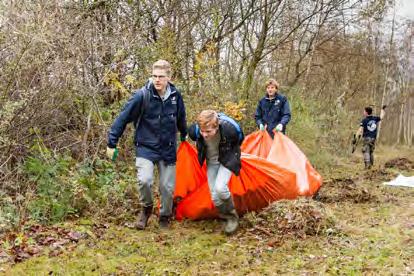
(218, 139)
(273, 110)
(157, 111)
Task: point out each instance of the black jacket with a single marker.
(229, 146)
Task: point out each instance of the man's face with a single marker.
(271, 90)
(160, 79)
(208, 132)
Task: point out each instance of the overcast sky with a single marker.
(405, 8)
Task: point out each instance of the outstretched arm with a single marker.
(382, 113)
(128, 114)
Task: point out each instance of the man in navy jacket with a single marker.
(157, 111)
(273, 111)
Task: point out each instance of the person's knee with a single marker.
(222, 192)
(145, 179)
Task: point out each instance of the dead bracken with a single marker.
(339, 190)
(400, 164)
(295, 218)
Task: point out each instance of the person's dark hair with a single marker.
(368, 110)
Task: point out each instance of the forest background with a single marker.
(67, 68)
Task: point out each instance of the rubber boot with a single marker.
(143, 217)
(229, 213)
(164, 222)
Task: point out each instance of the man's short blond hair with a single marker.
(208, 118)
(272, 82)
(163, 65)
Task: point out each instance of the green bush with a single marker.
(306, 128)
(9, 212)
(65, 188)
(53, 195)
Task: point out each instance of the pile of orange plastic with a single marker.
(271, 170)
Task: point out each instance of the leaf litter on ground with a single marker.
(287, 219)
(39, 239)
(400, 164)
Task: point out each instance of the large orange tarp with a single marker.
(258, 143)
(286, 154)
(271, 170)
(189, 173)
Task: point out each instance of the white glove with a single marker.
(111, 153)
(279, 128)
(262, 127)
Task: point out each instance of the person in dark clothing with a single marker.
(273, 110)
(218, 139)
(368, 130)
(157, 111)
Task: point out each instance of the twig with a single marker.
(6, 160)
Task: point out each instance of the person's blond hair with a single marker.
(163, 65)
(272, 82)
(207, 118)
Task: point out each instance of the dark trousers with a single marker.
(368, 148)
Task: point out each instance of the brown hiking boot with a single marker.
(143, 217)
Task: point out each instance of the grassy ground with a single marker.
(373, 234)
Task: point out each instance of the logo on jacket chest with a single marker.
(173, 100)
(372, 125)
(277, 102)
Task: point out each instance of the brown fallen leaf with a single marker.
(55, 252)
(33, 250)
(47, 241)
(74, 236)
(20, 255)
(59, 243)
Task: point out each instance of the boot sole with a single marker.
(140, 227)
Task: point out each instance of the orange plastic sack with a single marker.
(272, 170)
(189, 173)
(287, 155)
(258, 143)
(259, 183)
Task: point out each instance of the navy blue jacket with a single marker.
(271, 112)
(370, 125)
(156, 134)
(229, 146)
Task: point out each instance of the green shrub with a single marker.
(53, 195)
(66, 188)
(9, 212)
